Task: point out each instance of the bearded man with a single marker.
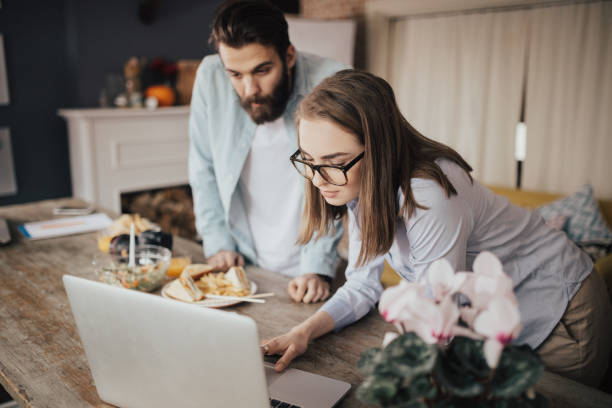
(247, 199)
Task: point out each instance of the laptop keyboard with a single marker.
(280, 404)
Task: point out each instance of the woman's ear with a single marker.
(290, 56)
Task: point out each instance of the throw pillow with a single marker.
(596, 252)
(585, 224)
(558, 222)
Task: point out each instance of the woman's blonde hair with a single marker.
(395, 152)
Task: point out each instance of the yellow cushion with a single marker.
(604, 267)
(389, 277)
(534, 199)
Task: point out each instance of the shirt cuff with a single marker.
(341, 312)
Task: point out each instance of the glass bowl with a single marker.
(107, 239)
(151, 264)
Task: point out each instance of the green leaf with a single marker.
(520, 402)
(369, 360)
(422, 387)
(460, 403)
(377, 389)
(519, 368)
(415, 403)
(409, 356)
(444, 404)
(469, 356)
(455, 379)
(506, 403)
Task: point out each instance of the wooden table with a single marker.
(42, 363)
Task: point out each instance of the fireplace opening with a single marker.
(171, 208)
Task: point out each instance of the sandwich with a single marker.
(238, 278)
(177, 291)
(196, 271)
(187, 279)
(233, 282)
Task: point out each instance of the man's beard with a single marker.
(271, 106)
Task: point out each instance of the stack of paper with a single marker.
(65, 226)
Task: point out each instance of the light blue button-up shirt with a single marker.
(545, 266)
(221, 133)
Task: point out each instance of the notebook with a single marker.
(147, 351)
(65, 226)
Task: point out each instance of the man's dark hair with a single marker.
(238, 23)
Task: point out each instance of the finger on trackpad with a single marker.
(271, 374)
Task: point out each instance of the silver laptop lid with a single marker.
(147, 351)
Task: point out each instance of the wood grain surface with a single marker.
(42, 363)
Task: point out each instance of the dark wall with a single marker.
(104, 34)
(37, 69)
(58, 54)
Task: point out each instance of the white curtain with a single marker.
(459, 80)
(569, 99)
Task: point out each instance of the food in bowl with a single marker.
(148, 273)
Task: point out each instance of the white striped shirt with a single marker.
(546, 267)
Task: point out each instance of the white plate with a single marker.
(210, 302)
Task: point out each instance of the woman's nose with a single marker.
(317, 180)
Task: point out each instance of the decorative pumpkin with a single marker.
(163, 93)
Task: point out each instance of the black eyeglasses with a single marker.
(333, 174)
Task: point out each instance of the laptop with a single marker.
(148, 351)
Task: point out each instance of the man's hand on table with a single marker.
(308, 288)
(225, 259)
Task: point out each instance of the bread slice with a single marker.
(238, 278)
(176, 291)
(196, 271)
(189, 285)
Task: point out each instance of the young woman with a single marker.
(411, 200)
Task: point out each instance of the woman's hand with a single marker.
(225, 259)
(289, 345)
(308, 288)
(295, 343)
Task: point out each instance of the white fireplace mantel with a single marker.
(115, 151)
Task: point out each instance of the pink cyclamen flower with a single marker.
(486, 283)
(436, 322)
(443, 280)
(500, 323)
(393, 303)
(409, 308)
